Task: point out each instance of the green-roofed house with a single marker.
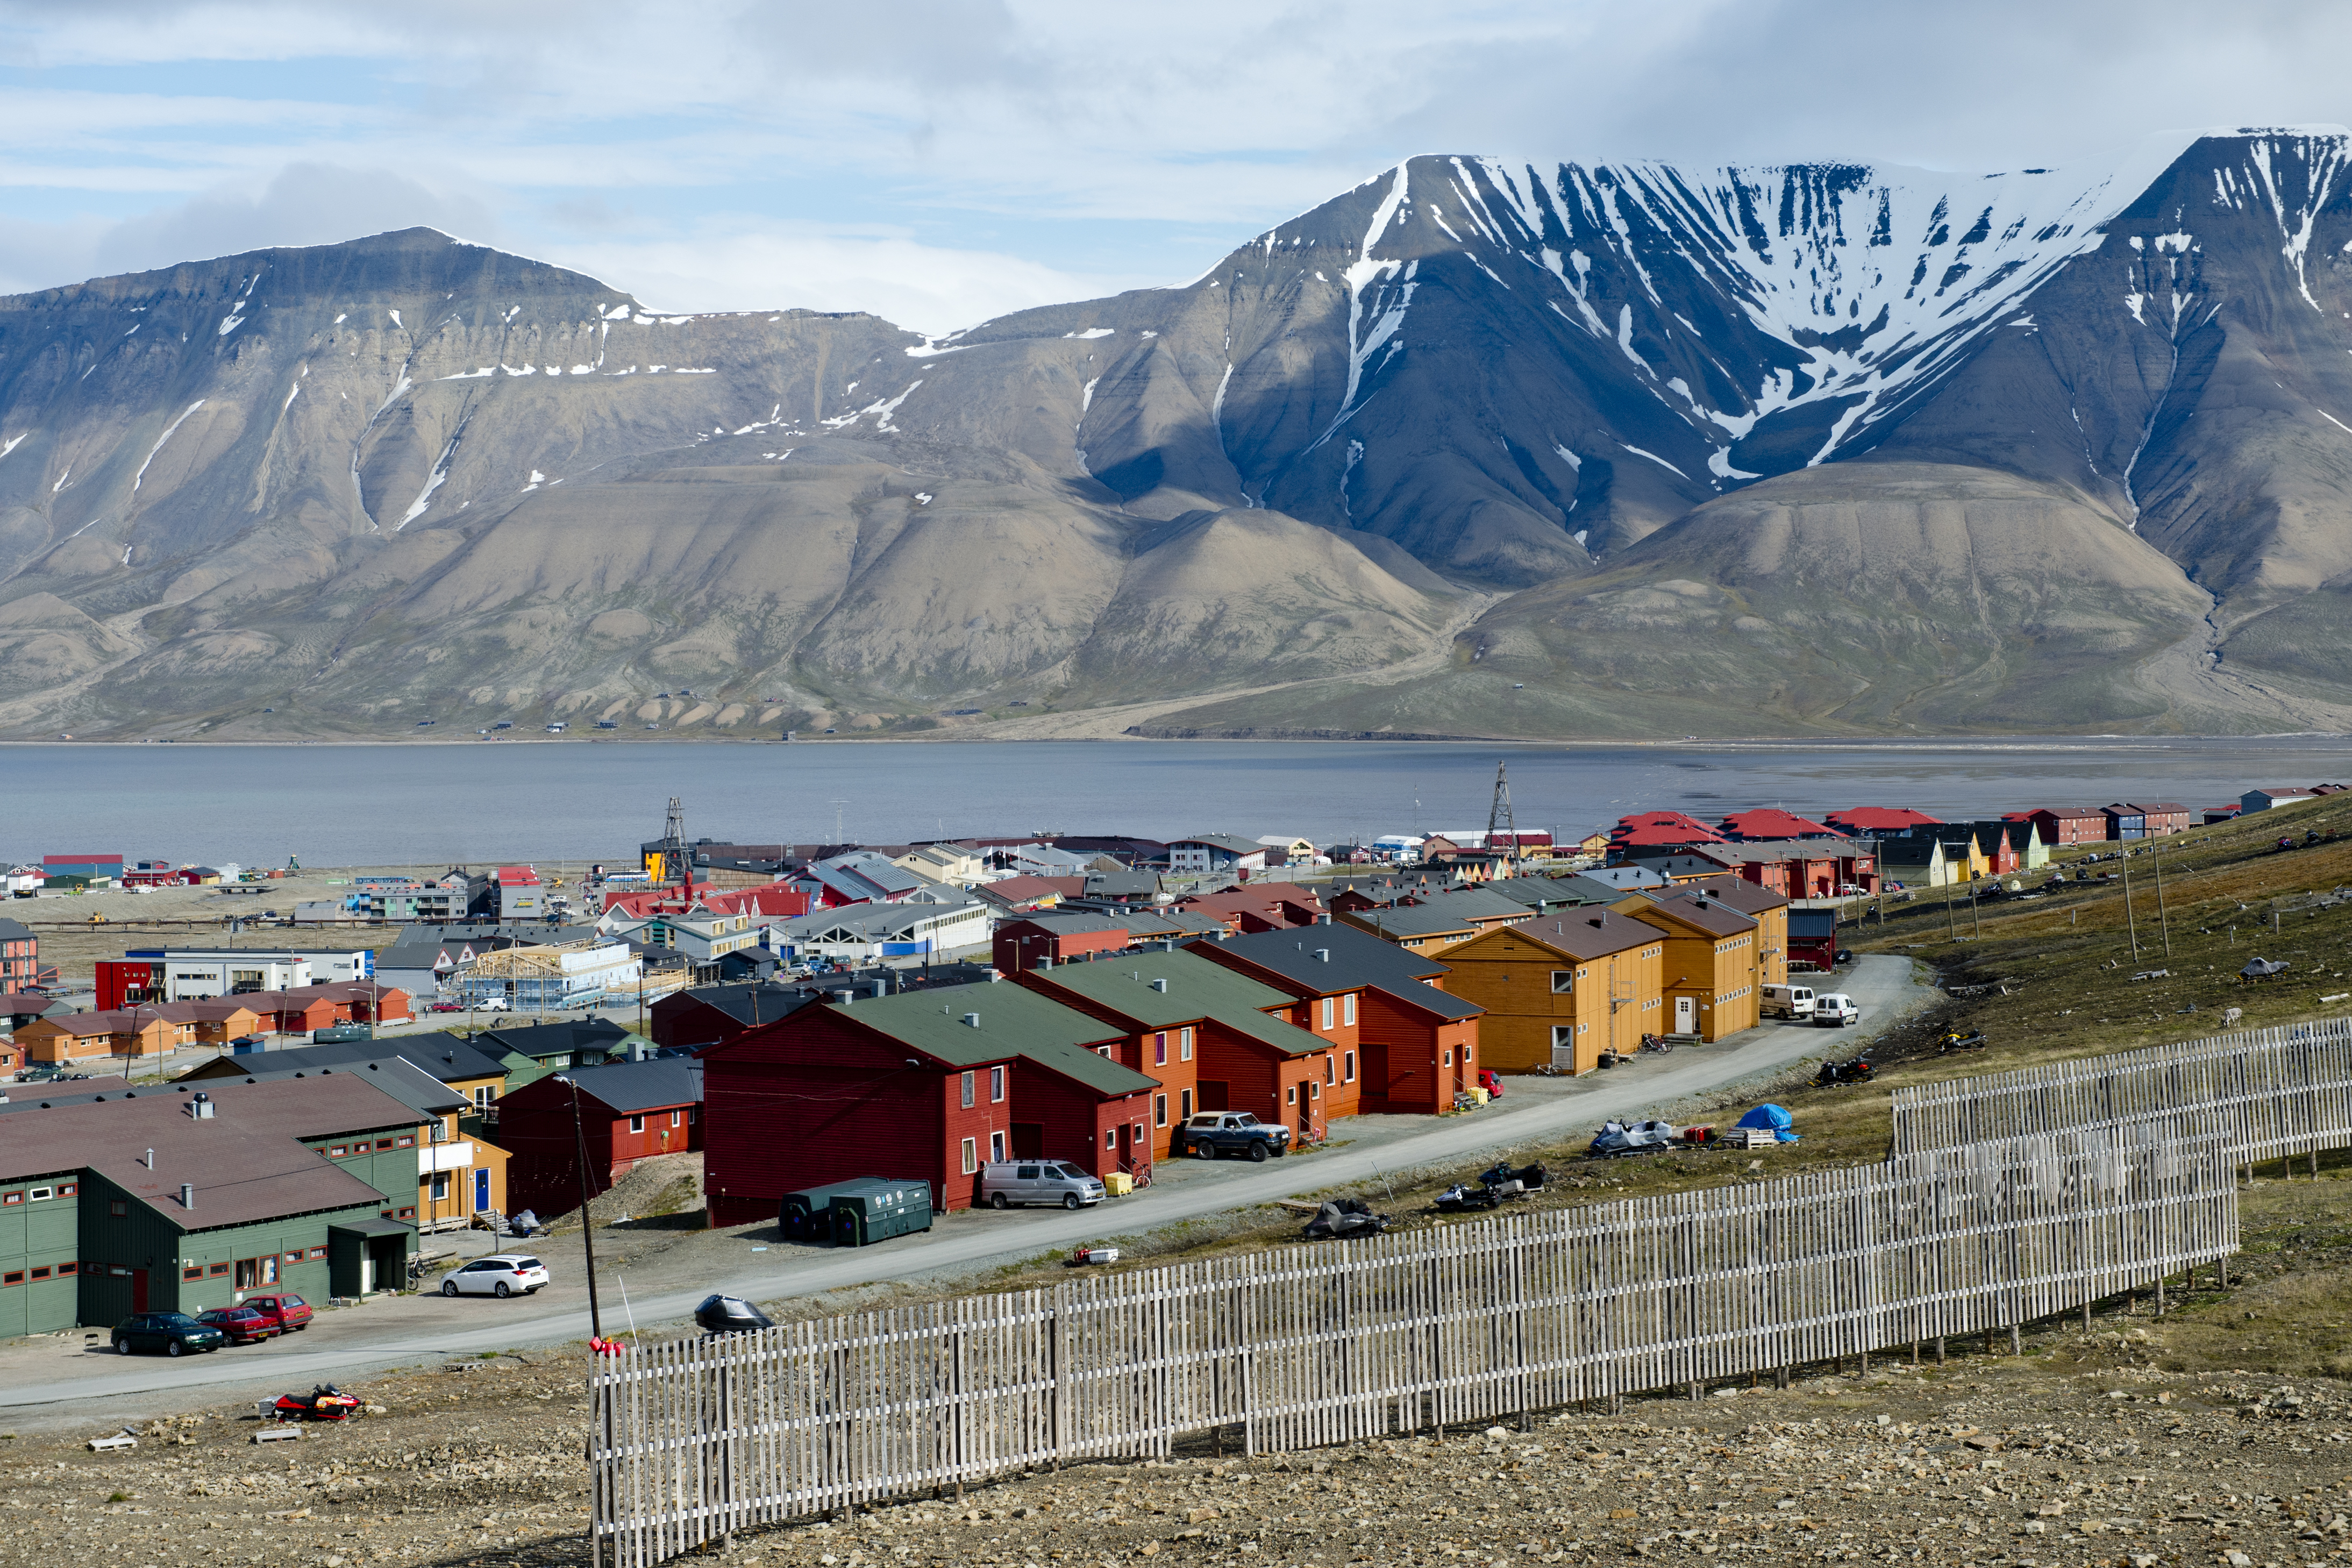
(1214, 1038)
(927, 1085)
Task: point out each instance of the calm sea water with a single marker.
(359, 805)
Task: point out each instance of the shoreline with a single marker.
(1841, 742)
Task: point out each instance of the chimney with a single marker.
(636, 1049)
(1160, 985)
(149, 1161)
(971, 1020)
(881, 988)
(201, 1108)
(187, 1195)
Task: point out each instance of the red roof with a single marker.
(1771, 822)
(518, 877)
(1862, 819)
(1663, 828)
(776, 900)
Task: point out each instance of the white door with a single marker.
(1686, 1015)
(367, 1271)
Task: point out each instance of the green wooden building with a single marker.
(189, 1197)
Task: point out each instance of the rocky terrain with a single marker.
(1476, 447)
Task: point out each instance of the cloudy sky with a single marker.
(940, 161)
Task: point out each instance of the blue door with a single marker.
(481, 1189)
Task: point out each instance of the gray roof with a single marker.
(746, 1003)
(1478, 904)
(538, 1040)
(1357, 959)
(445, 1056)
(1069, 924)
(1225, 841)
(633, 1087)
(1412, 919)
(403, 1080)
(868, 923)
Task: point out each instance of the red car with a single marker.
(288, 1312)
(446, 1007)
(242, 1325)
(1492, 1083)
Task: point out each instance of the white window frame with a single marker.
(996, 1147)
(970, 1088)
(1348, 1074)
(1160, 1111)
(1563, 1034)
(1185, 1046)
(1348, 1010)
(996, 1085)
(1330, 1011)
(636, 1124)
(1184, 1101)
(1563, 982)
(970, 1155)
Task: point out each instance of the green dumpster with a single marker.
(876, 1210)
(807, 1216)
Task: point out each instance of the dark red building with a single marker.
(1048, 938)
(710, 1014)
(2062, 825)
(628, 1111)
(928, 1085)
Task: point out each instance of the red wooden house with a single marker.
(1213, 1038)
(1043, 938)
(928, 1086)
(2062, 825)
(1400, 1027)
(1880, 821)
(1265, 906)
(628, 1111)
(1770, 822)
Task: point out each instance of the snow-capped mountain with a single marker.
(2086, 434)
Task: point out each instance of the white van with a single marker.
(1004, 1182)
(1787, 1002)
(1835, 1010)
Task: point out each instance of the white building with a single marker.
(702, 936)
(861, 933)
(1209, 852)
(191, 975)
(550, 979)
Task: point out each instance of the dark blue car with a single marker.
(174, 1333)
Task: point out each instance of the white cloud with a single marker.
(926, 288)
(304, 204)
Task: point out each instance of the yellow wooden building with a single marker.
(1561, 989)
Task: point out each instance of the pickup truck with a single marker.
(1213, 1133)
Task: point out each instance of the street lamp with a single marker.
(587, 1220)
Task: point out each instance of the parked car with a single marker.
(174, 1333)
(243, 1325)
(494, 1004)
(501, 1274)
(446, 1007)
(1003, 1182)
(288, 1312)
(1787, 1001)
(1835, 1010)
(1491, 1081)
(1217, 1133)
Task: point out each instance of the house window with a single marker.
(40, 1273)
(677, 1118)
(1563, 979)
(1185, 1103)
(1110, 1137)
(1449, 1058)
(337, 1153)
(408, 1213)
(294, 1256)
(41, 1194)
(440, 1186)
(196, 1273)
(1349, 1073)
(1330, 1010)
(67, 1189)
(1348, 1010)
(405, 1143)
(1290, 1095)
(1314, 1091)
(1331, 1069)
(248, 1272)
(120, 1208)
(14, 1276)
(970, 1084)
(384, 1142)
(1104, 1052)
(317, 1253)
(995, 1084)
(1185, 1046)
(66, 1268)
(12, 1198)
(1160, 1111)
(482, 1097)
(270, 1269)
(996, 1146)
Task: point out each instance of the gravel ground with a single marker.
(2079, 1453)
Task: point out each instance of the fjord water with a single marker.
(575, 800)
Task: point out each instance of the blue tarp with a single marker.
(1773, 1117)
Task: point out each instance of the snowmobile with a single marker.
(1343, 1218)
(1616, 1138)
(1835, 1073)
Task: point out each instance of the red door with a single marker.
(139, 1289)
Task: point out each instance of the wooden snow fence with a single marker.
(2263, 1093)
(1340, 1341)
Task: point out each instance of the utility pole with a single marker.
(2162, 922)
(1976, 921)
(2130, 923)
(1951, 925)
(587, 1220)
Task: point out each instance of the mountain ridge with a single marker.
(407, 477)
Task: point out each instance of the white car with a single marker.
(494, 1004)
(1835, 1010)
(500, 1274)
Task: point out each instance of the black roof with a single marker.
(1357, 958)
(556, 1039)
(748, 1004)
(16, 931)
(403, 1080)
(447, 1057)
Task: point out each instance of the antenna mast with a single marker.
(677, 865)
(1499, 817)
